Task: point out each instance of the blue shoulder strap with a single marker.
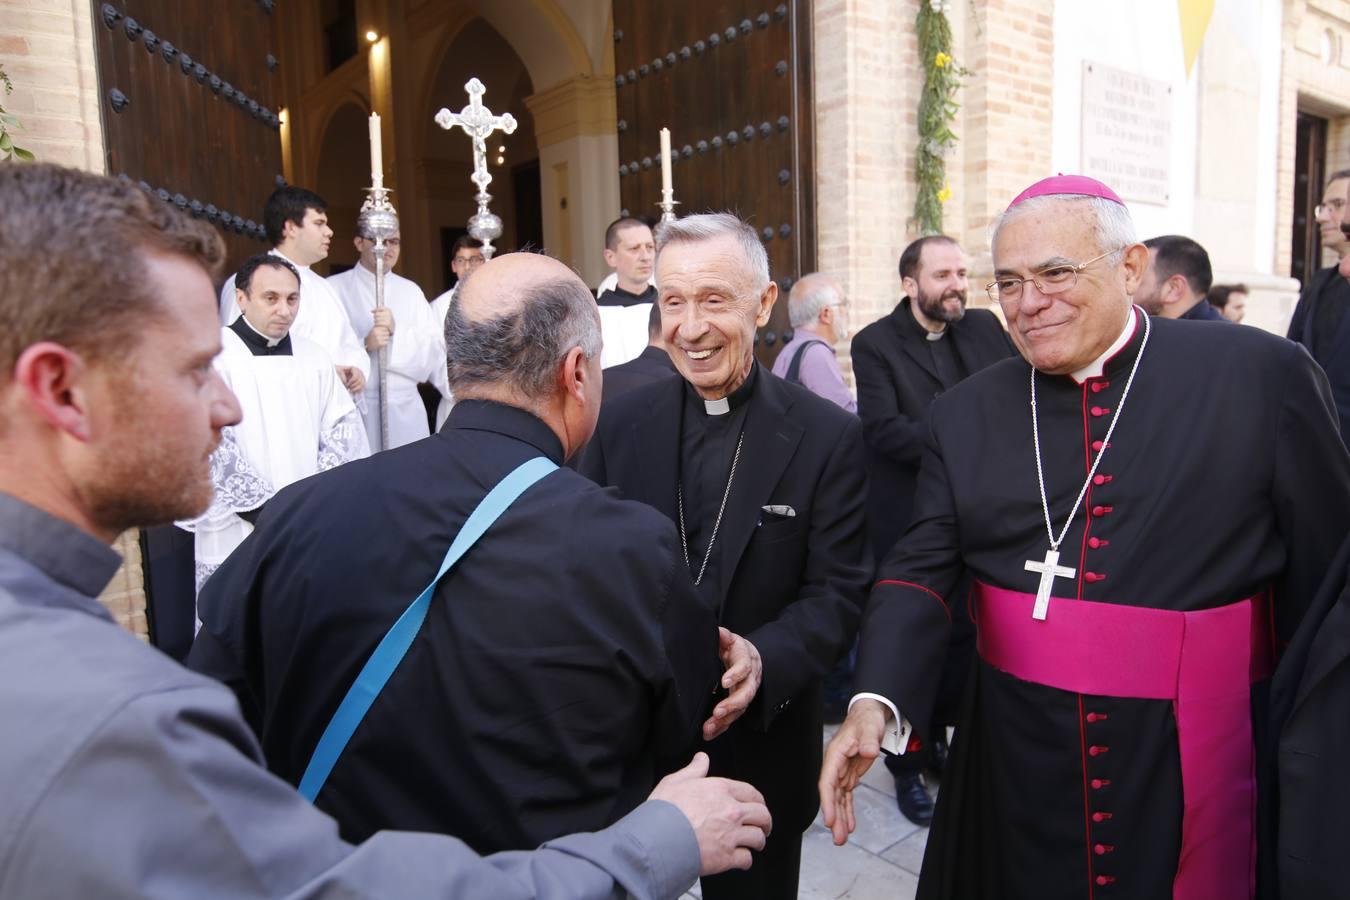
(386, 657)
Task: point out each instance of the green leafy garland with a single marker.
(9, 123)
(937, 111)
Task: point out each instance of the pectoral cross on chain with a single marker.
(1049, 570)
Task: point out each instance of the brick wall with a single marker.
(47, 47)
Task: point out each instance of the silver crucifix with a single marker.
(478, 122)
(1049, 570)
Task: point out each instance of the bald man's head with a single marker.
(512, 323)
(816, 304)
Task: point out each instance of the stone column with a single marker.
(574, 124)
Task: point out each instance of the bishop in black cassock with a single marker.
(765, 482)
(1106, 747)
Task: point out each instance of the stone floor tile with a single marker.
(908, 854)
(849, 872)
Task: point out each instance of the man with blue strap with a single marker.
(557, 660)
(124, 774)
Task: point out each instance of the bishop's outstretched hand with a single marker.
(850, 754)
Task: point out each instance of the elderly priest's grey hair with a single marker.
(522, 349)
(1114, 226)
(710, 226)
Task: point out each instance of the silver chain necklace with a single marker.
(717, 524)
(1049, 569)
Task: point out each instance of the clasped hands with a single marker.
(741, 678)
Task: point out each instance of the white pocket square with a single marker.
(786, 512)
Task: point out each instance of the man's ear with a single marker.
(1135, 264)
(53, 382)
(356, 242)
(766, 302)
(576, 380)
(909, 286)
(611, 258)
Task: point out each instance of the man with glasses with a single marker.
(818, 314)
(1320, 322)
(928, 344)
(1146, 508)
(465, 257)
(408, 326)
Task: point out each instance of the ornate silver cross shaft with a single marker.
(1049, 570)
(478, 122)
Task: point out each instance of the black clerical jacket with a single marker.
(793, 585)
(897, 382)
(1309, 699)
(1225, 476)
(1331, 350)
(653, 364)
(565, 664)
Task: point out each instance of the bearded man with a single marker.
(1141, 543)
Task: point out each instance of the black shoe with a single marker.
(938, 759)
(912, 798)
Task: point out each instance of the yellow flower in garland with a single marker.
(945, 194)
(942, 60)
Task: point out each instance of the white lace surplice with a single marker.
(298, 419)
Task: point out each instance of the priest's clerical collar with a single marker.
(734, 400)
(617, 296)
(921, 329)
(1095, 368)
(257, 342)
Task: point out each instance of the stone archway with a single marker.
(342, 174)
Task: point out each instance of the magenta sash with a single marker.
(1204, 662)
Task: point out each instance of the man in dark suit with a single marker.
(928, 343)
(1320, 322)
(563, 666)
(652, 365)
(1178, 278)
(766, 482)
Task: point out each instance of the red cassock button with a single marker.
(1098, 386)
(1100, 480)
(1098, 445)
(1100, 410)
(1097, 750)
(1100, 511)
(1095, 543)
(1104, 880)
(1099, 783)
(1101, 816)
(1093, 577)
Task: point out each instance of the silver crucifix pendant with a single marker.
(1049, 570)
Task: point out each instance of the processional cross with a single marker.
(478, 122)
(1049, 570)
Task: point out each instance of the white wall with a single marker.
(1143, 37)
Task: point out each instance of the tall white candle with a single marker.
(376, 156)
(665, 163)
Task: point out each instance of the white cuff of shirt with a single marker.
(896, 739)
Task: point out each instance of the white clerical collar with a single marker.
(1095, 368)
(719, 407)
(271, 342)
(935, 335)
(275, 252)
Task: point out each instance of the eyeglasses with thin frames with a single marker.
(1052, 280)
(1331, 207)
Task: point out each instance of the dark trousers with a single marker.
(772, 876)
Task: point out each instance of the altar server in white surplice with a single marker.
(465, 257)
(410, 329)
(297, 225)
(298, 418)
